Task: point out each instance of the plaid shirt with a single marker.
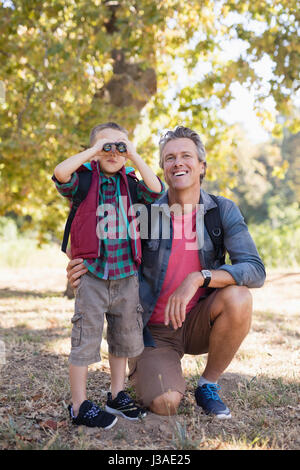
(116, 259)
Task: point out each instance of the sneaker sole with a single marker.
(119, 413)
(111, 425)
(219, 416)
(100, 427)
(223, 416)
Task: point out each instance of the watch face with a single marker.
(206, 273)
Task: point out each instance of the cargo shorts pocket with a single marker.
(76, 330)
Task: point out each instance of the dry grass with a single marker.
(261, 386)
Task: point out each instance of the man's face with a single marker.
(111, 162)
(182, 169)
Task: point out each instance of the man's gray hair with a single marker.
(178, 133)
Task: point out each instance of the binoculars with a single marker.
(120, 146)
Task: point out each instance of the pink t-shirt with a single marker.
(184, 259)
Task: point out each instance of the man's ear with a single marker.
(203, 168)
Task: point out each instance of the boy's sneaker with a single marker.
(207, 397)
(92, 416)
(125, 406)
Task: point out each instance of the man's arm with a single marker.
(246, 268)
(175, 311)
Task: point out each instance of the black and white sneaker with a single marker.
(125, 406)
(92, 416)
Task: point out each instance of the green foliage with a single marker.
(19, 250)
(67, 66)
(277, 239)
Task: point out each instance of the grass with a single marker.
(261, 386)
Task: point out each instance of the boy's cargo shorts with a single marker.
(119, 300)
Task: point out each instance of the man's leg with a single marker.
(156, 374)
(229, 311)
(231, 317)
(166, 404)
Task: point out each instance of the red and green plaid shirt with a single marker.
(116, 259)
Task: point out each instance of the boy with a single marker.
(111, 284)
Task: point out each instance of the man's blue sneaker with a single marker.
(207, 397)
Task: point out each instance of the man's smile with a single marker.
(180, 173)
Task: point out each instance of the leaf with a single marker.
(37, 396)
(49, 424)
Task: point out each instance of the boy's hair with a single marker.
(100, 127)
(183, 132)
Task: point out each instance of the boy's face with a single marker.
(111, 162)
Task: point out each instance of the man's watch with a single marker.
(207, 277)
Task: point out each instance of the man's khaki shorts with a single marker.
(158, 370)
(119, 300)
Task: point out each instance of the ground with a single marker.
(261, 386)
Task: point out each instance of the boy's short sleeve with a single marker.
(68, 189)
(146, 195)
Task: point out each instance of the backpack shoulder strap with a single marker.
(132, 183)
(85, 179)
(213, 224)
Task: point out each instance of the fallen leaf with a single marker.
(49, 424)
(62, 424)
(24, 438)
(37, 396)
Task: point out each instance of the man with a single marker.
(193, 302)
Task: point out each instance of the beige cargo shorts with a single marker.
(119, 301)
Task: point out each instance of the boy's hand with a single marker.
(149, 178)
(98, 148)
(131, 153)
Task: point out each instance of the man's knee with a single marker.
(166, 404)
(238, 296)
(237, 302)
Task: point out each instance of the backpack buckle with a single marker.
(217, 231)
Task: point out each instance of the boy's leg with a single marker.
(118, 401)
(90, 303)
(118, 373)
(124, 320)
(78, 379)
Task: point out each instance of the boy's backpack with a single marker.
(85, 179)
(212, 218)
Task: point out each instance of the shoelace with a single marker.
(126, 401)
(92, 412)
(210, 391)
